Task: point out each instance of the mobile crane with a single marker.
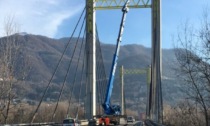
(113, 112)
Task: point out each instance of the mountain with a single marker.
(44, 54)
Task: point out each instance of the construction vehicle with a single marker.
(112, 113)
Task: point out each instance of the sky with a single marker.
(57, 18)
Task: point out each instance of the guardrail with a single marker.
(151, 123)
(35, 124)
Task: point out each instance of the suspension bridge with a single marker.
(89, 72)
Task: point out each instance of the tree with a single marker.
(193, 58)
(183, 114)
(13, 65)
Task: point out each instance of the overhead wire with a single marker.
(36, 110)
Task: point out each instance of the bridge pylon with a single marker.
(90, 102)
(155, 96)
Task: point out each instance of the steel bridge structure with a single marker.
(90, 50)
(155, 105)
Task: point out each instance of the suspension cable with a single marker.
(86, 85)
(83, 67)
(35, 113)
(99, 89)
(76, 68)
(81, 73)
(104, 83)
(68, 69)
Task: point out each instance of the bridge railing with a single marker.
(35, 124)
(151, 123)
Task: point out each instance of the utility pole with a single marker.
(91, 59)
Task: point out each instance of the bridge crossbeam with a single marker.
(135, 71)
(118, 4)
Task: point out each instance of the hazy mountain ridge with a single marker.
(44, 54)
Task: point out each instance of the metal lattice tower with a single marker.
(155, 93)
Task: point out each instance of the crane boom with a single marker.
(108, 108)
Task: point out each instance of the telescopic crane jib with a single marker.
(108, 108)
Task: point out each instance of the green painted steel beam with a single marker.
(118, 4)
(135, 71)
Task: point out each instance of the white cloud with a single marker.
(38, 16)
